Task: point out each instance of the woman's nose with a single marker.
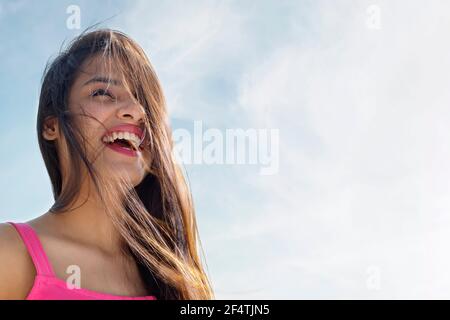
(131, 111)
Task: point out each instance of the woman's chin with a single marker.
(132, 173)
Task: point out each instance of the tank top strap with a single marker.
(35, 249)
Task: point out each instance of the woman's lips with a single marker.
(127, 128)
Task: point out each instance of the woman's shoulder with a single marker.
(11, 245)
(17, 271)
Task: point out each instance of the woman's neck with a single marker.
(88, 222)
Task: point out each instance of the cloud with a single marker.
(364, 157)
(189, 44)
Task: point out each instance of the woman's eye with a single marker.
(102, 93)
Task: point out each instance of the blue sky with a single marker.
(359, 206)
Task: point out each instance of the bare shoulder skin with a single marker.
(17, 270)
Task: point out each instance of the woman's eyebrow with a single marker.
(103, 80)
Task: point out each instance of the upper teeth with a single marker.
(129, 136)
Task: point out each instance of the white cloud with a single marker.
(363, 146)
(186, 42)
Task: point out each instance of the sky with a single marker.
(358, 204)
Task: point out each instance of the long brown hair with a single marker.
(156, 219)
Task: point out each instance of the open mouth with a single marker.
(123, 140)
(125, 144)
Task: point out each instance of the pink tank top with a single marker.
(46, 285)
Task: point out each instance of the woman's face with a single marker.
(110, 119)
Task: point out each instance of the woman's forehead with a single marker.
(98, 69)
(99, 66)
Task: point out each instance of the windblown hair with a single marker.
(156, 218)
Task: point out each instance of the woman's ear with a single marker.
(51, 129)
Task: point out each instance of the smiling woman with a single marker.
(123, 214)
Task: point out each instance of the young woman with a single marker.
(123, 224)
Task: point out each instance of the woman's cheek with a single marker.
(101, 117)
